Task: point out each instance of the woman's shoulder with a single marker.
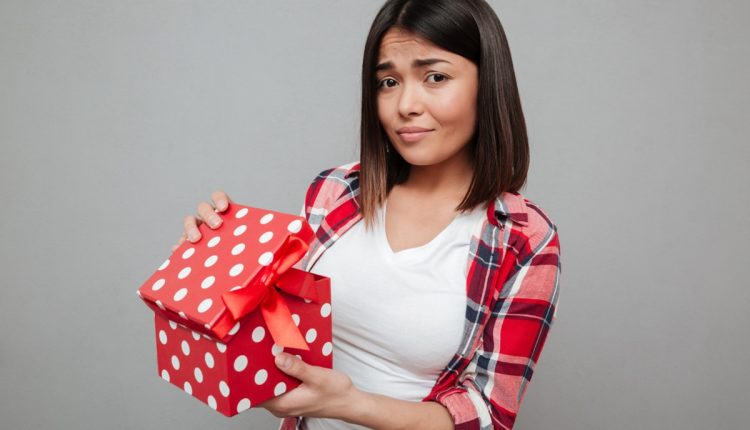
(528, 217)
(331, 183)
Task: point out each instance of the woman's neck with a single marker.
(449, 179)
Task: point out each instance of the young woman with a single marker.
(444, 278)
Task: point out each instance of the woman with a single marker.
(443, 295)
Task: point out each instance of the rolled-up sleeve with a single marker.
(490, 390)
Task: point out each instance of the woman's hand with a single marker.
(324, 393)
(206, 213)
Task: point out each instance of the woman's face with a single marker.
(439, 95)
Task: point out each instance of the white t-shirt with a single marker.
(398, 317)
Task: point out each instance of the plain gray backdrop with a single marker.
(118, 117)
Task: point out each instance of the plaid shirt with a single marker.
(512, 289)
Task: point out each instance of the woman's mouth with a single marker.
(414, 137)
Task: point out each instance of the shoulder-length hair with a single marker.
(499, 146)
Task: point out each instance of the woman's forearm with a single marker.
(381, 412)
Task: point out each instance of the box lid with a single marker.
(188, 286)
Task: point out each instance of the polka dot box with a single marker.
(227, 362)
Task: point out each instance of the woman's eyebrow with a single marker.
(414, 65)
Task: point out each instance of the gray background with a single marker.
(118, 117)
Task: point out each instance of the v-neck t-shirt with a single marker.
(398, 317)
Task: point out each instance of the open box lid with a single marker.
(189, 286)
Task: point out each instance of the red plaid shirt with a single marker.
(512, 289)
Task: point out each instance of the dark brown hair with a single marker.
(499, 146)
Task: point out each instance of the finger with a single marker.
(207, 212)
(295, 367)
(191, 224)
(221, 200)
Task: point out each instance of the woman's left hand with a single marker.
(323, 393)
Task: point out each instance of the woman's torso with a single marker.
(398, 317)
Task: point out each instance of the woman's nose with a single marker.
(410, 100)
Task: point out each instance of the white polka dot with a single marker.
(325, 310)
(261, 376)
(298, 356)
(195, 334)
(266, 218)
(265, 237)
(165, 375)
(173, 325)
(240, 213)
(239, 230)
(295, 317)
(258, 334)
(294, 226)
(164, 264)
(276, 349)
(188, 253)
(243, 405)
(162, 337)
(236, 269)
(240, 363)
(311, 335)
(279, 389)
(188, 388)
(205, 305)
(184, 273)
(185, 347)
(180, 294)
(139, 293)
(235, 329)
(209, 360)
(221, 347)
(308, 301)
(160, 305)
(182, 315)
(175, 362)
(198, 374)
(235, 288)
(206, 283)
(238, 249)
(214, 241)
(266, 258)
(158, 284)
(224, 388)
(210, 261)
(212, 402)
(207, 337)
(327, 348)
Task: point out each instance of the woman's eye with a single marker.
(439, 75)
(380, 84)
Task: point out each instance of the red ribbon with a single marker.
(262, 291)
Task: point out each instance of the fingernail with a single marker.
(214, 220)
(193, 235)
(282, 361)
(221, 204)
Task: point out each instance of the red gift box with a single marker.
(225, 306)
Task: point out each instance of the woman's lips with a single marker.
(414, 137)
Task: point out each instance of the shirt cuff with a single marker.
(461, 407)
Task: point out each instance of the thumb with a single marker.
(290, 365)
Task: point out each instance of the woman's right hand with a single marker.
(207, 212)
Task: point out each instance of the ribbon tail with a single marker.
(280, 323)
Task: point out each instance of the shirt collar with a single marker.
(507, 205)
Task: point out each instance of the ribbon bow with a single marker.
(262, 290)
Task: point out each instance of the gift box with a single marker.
(226, 305)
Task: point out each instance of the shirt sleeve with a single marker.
(490, 391)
